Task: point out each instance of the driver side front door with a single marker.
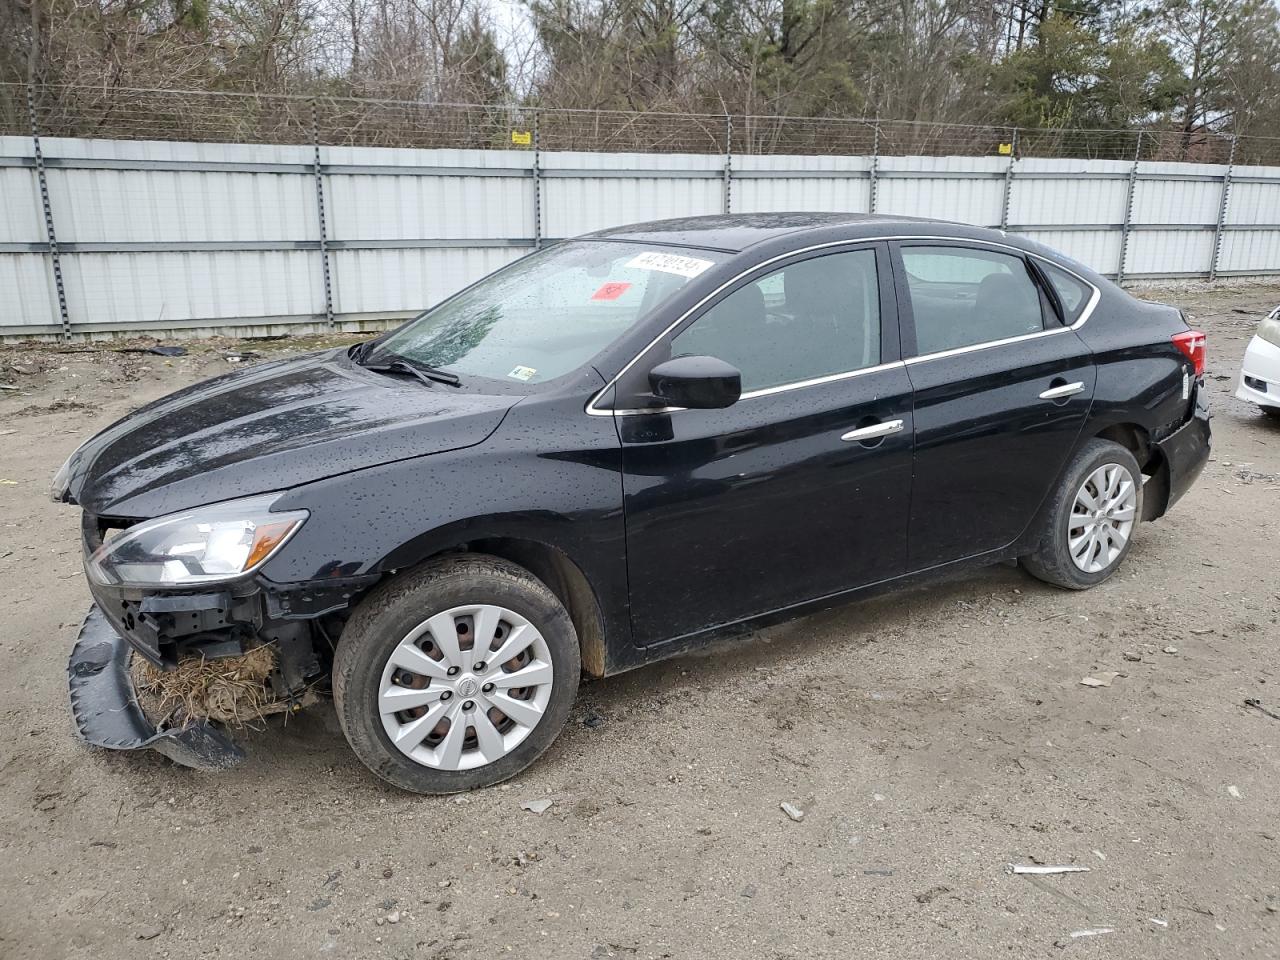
(798, 491)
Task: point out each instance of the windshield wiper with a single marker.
(426, 374)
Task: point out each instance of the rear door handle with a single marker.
(873, 432)
(1063, 390)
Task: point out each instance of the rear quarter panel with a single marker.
(1140, 371)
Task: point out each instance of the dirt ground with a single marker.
(930, 737)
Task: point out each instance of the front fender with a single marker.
(551, 474)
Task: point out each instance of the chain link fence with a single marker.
(207, 116)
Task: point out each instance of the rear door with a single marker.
(1001, 388)
(799, 490)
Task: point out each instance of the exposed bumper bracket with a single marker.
(1186, 451)
(107, 713)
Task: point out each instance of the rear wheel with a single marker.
(1090, 519)
(456, 675)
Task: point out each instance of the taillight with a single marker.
(1191, 343)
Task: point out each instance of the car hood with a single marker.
(271, 427)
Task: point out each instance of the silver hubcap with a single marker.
(1102, 517)
(465, 687)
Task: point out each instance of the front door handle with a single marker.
(873, 432)
(1062, 390)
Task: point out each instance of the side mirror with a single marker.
(697, 383)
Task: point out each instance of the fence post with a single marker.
(537, 183)
(55, 257)
(728, 162)
(875, 163)
(1222, 211)
(1008, 180)
(324, 240)
(1128, 210)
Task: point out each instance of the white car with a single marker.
(1260, 373)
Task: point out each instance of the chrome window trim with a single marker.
(814, 381)
(594, 411)
(957, 351)
(637, 411)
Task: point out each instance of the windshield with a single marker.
(547, 314)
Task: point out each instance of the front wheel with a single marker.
(1090, 519)
(456, 675)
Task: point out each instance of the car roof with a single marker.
(737, 232)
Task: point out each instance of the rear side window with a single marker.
(1072, 293)
(961, 297)
(811, 319)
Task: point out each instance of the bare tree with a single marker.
(1195, 64)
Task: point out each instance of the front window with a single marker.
(813, 318)
(548, 314)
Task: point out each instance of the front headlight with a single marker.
(58, 486)
(202, 545)
(1269, 329)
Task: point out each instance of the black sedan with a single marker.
(610, 452)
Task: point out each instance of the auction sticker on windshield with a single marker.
(611, 291)
(670, 263)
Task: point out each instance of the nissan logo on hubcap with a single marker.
(467, 687)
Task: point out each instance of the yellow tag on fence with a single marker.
(521, 137)
(1005, 149)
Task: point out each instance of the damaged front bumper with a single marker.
(107, 712)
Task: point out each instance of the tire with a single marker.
(1271, 413)
(1052, 560)
(463, 591)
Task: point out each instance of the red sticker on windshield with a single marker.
(611, 291)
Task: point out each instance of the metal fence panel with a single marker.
(1186, 193)
(399, 283)
(1253, 202)
(1162, 253)
(818, 183)
(1250, 252)
(418, 204)
(150, 290)
(27, 298)
(634, 187)
(1068, 191)
(967, 189)
(21, 219)
(140, 198)
(156, 235)
(1099, 249)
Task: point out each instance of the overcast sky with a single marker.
(512, 21)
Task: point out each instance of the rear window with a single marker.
(1072, 292)
(962, 296)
